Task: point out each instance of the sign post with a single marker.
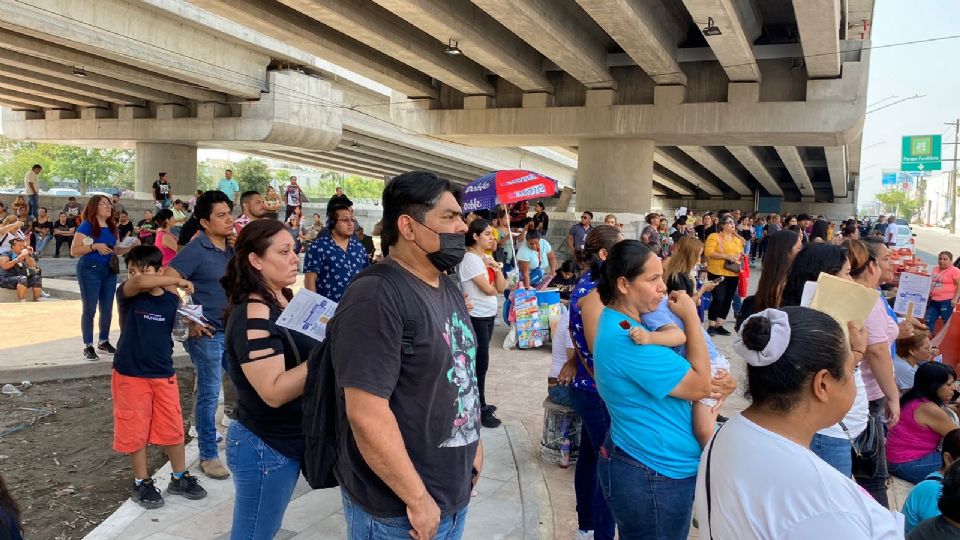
(920, 153)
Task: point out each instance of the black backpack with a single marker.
(321, 402)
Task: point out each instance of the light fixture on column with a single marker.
(711, 29)
(354, 144)
(452, 48)
(79, 72)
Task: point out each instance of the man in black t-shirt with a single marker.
(162, 191)
(416, 416)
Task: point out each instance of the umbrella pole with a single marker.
(513, 248)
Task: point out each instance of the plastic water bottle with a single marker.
(564, 453)
(181, 329)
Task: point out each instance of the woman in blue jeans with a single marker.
(648, 462)
(94, 242)
(585, 307)
(267, 365)
(913, 444)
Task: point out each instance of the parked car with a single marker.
(63, 192)
(905, 235)
(12, 191)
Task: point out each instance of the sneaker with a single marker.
(712, 330)
(214, 469)
(488, 419)
(90, 354)
(187, 485)
(192, 432)
(106, 347)
(721, 331)
(147, 495)
(44, 294)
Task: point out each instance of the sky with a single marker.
(927, 69)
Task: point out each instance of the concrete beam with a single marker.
(837, 166)
(130, 34)
(559, 32)
(646, 31)
(819, 24)
(703, 156)
(42, 102)
(794, 164)
(316, 161)
(398, 155)
(272, 120)
(72, 86)
(100, 72)
(289, 25)
(393, 150)
(740, 25)
(688, 174)
(479, 37)
(17, 105)
(751, 161)
(51, 93)
(344, 153)
(378, 28)
(670, 184)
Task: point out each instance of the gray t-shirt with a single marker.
(579, 234)
(937, 528)
(433, 393)
(904, 372)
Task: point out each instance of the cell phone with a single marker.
(718, 280)
(625, 325)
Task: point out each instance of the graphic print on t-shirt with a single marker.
(463, 348)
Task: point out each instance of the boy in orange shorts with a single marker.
(146, 399)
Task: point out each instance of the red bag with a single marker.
(744, 283)
(948, 341)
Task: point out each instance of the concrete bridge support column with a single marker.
(615, 175)
(177, 160)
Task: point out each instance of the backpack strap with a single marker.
(410, 308)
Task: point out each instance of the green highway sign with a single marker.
(920, 153)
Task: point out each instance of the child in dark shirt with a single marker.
(146, 398)
(565, 279)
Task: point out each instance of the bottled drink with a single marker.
(564, 453)
(181, 329)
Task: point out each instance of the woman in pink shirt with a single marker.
(944, 291)
(912, 444)
(166, 241)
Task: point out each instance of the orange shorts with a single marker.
(145, 411)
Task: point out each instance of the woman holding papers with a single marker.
(267, 365)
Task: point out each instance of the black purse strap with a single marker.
(707, 481)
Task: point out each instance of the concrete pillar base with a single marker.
(177, 160)
(615, 175)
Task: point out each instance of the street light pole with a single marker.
(952, 190)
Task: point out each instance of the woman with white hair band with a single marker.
(758, 478)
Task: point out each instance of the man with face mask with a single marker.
(411, 448)
(335, 257)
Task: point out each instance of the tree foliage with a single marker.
(205, 180)
(91, 167)
(252, 174)
(899, 202)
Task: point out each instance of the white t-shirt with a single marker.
(561, 342)
(764, 486)
(856, 417)
(472, 266)
(890, 236)
(27, 179)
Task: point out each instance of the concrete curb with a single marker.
(534, 496)
(55, 372)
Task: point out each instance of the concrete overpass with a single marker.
(768, 101)
(704, 103)
(168, 77)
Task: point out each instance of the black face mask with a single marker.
(452, 249)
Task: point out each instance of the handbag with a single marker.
(866, 448)
(729, 266)
(114, 263)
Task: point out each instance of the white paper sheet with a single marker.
(308, 313)
(843, 300)
(915, 289)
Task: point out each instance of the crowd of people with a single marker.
(834, 410)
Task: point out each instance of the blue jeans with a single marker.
(33, 204)
(206, 353)
(560, 394)
(938, 309)
(42, 243)
(838, 453)
(263, 480)
(915, 471)
(362, 525)
(645, 503)
(98, 286)
(592, 511)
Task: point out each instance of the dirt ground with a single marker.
(56, 455)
